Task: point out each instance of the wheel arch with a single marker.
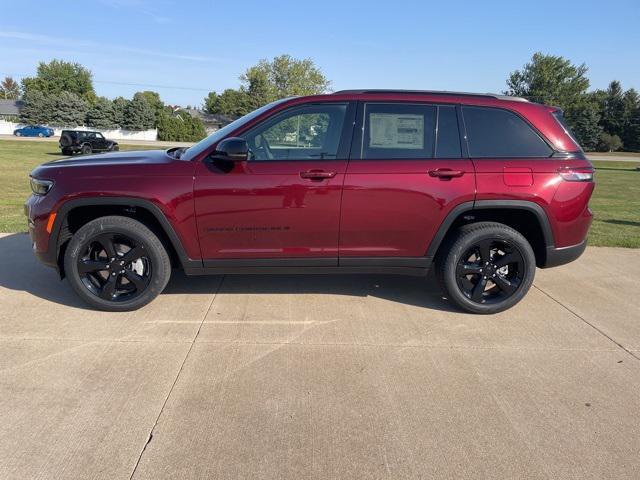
(527, 217)
(75, 213)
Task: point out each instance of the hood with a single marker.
(112, 158)
(114, 163)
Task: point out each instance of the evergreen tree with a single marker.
(632, 131)
(69, 110)
(101, 114)
(37, 108)
(119, 106)
(584, 120)
(139, 115)
(612, 120)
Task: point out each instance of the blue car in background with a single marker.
(33, 131)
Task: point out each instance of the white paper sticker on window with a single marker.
(394, 130)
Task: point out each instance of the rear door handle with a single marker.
(445, 173)
(317, 174)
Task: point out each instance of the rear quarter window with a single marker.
(495, 132)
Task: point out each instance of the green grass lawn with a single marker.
(616, 201)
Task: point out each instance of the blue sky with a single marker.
(205, 45)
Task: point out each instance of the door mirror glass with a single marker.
(233, 149)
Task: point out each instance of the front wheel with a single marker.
(488, 268)
(86, 149)
(116, 264)
(18, 134)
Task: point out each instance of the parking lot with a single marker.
(321, 377)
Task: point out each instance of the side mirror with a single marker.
(233, 149)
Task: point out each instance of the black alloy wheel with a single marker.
(115, 267)
(116, 263)
(486, 267)
(490, 271)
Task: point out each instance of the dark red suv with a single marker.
(485, 187)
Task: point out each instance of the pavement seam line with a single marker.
(601, 332)
(175, 380)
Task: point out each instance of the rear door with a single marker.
(406, 173)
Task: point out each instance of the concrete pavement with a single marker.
(321, 377)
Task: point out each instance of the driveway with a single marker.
(321, 377)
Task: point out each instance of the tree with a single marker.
(101, 114)
(69, 110)
(613, 110)
(9, 89)
(153, 99)
(284, 76)
(59, 76)
(138, 115)
(631, 102)
(550, 79)
(119, 105)
(230, 102)
(609, 143)
(584, 120)
(37, 108)
(633, 131)
(180, 128)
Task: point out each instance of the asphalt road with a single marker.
(322, 377)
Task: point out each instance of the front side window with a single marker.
(494, 132)
(311, 132)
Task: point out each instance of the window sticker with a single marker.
(394, 130)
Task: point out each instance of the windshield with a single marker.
(218, 135)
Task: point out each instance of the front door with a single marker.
(407, 172)
(284, 202)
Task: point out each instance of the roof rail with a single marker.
(433, 92)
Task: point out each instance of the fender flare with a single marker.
(152, 208)
(469, 207)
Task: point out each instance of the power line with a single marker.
(130, 84)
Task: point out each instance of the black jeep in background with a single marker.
(74, 141)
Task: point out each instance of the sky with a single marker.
(184, 49)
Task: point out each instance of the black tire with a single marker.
(86, 149)
(491, 284)
(115, 148)
(66, 140)
(18, 134)
(67, 151)
(99, 268)
(41, 135)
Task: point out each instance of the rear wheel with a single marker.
(67, 151)
(488, 268)
(116, 264)
(41, 135)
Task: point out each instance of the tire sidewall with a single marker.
(459, 247)
(160, 264)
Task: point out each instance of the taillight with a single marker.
(576, 174)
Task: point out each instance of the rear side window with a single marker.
(399, 131)
(410, 131)
(494, 132)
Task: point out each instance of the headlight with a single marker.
(40, 187)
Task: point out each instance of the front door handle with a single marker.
(317, 174)
(445, 173)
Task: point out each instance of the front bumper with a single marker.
(37, 216)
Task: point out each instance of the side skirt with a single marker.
(415, 266)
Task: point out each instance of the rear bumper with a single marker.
(559, 256)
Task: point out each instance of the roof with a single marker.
(10, 107)
(431, 92)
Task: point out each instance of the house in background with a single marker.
(10, 109)
(211, 122)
